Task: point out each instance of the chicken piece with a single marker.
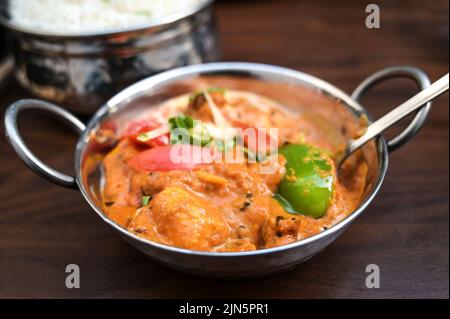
(178, 217)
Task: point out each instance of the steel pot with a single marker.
(160, 87)
(81, 71)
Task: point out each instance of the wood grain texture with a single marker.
(405, 231)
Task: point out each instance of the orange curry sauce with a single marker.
(222, 206)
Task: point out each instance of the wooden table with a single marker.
(405, 231)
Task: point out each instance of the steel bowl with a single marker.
(81, 71)
(141, 96)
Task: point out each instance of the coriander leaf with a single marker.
(145, 200)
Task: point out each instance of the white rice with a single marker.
(80, 16)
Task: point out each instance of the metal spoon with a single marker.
(417, 101)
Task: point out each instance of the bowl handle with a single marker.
(22, 150)
(422, 81)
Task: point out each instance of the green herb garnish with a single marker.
(251, 155)
(223, 145)
(181, 121)
(145, 200)
(188, 130)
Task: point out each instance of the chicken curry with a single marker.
(242, 185)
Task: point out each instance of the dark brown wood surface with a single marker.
(405, 231)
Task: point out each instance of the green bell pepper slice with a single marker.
(307, 186)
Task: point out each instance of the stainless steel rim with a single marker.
(140, 87)
(155, 23)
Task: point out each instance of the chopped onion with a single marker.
(219, 119)
(150, 135)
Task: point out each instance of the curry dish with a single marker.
(281, 185)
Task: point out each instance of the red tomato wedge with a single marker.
(173, 157)
(136, 128)
(257, 139)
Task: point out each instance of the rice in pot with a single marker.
(78, 16)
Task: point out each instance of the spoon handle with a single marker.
(417, 101)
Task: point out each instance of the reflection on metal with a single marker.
(6, 67)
